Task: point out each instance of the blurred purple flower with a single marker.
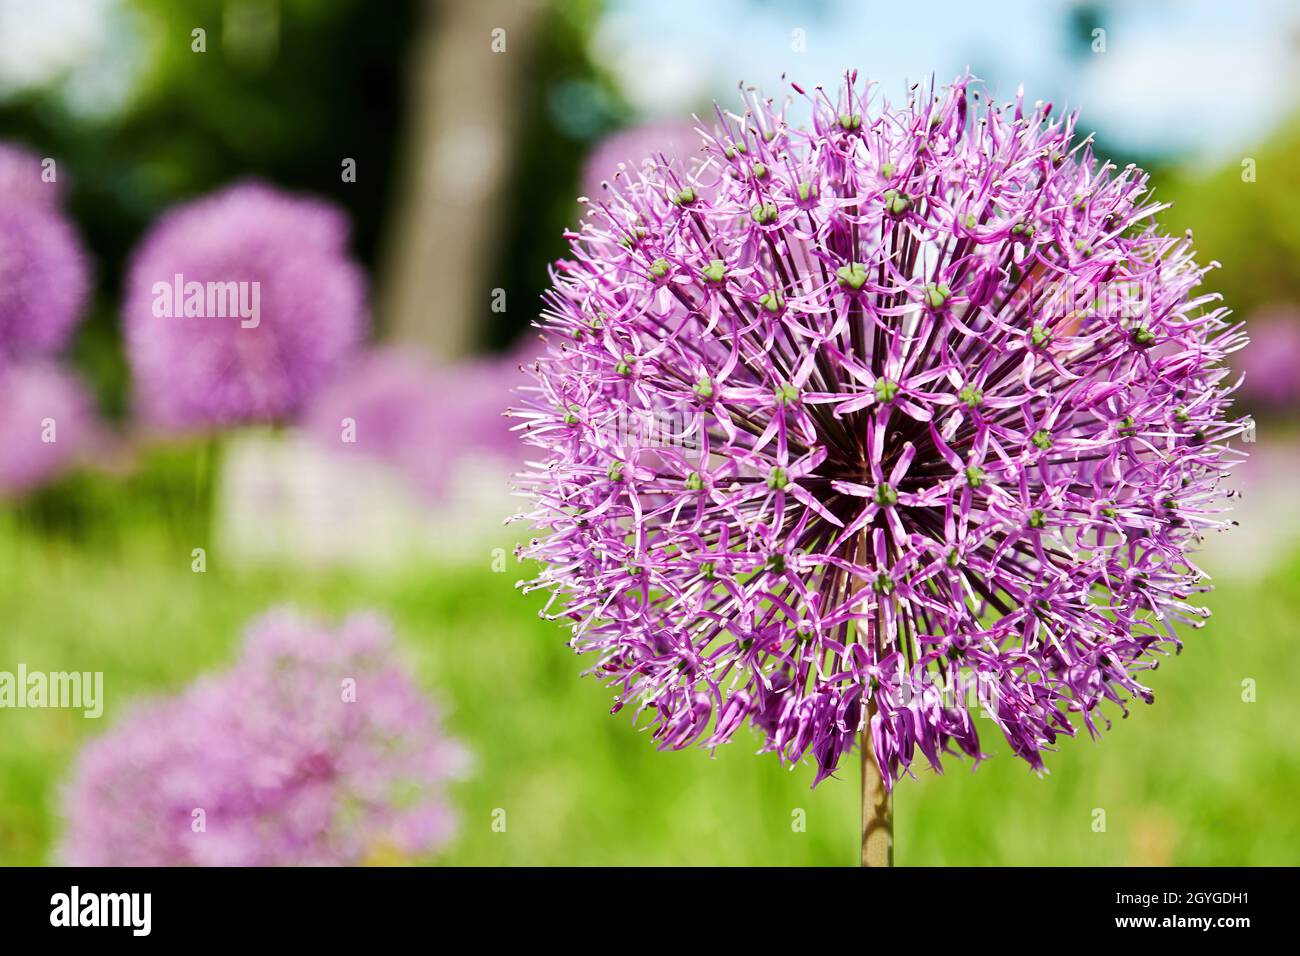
(420, 420)
(283, 306)
(954, 415)
(1272, 362)
(315, 748)
(47, 422)
(44, 272)
(664, 141)
(22, 179)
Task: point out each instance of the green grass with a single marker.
(105, 584)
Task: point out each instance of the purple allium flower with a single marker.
(948, 413)
(47, 422)
(1271, 365)
(624, 153)
(44, 272)
(22, 179)
(281, 306)
(315, 748)
(422, 421)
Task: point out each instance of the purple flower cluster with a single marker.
(277, 307)
(47, 417)
(949, 414)
(393, 408)
(1271, 366)
(47, 421)
(44, 273)
(23, 178)
(315, 748)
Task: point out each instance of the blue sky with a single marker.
(1195, 79)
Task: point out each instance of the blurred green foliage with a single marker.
(567, 106)
(1246, 215)
(332, 89)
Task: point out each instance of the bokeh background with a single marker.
(469, 148)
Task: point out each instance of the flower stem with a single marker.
(877, 804)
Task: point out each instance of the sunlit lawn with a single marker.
(1201, 777)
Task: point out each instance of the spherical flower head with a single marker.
(44, 272)
(239, 307)
(421, 420)
(316, 748)
(47, 423)
(948, 413)
(1271, 366)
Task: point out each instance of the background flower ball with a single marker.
(426, 422)
(25, 178)
(47, 422)
(877, 423)
(44, 272)
(316, 748)
(210, 370)
(1271, 365)
(625, 152)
